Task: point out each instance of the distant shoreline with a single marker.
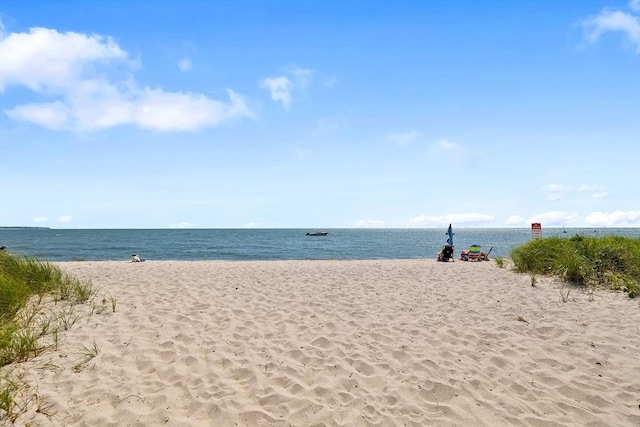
(18, 227)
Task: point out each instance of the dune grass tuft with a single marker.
(24, 285)
(610, 261)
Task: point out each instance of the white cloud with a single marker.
(183, 225)
(65, 218)
(614, 219)
(279, 88)
(147, 108)
(184, 65)
(40, 219)
(52, 115)
(403, 138)
(614, 21)
(635, 5)
(161, 110)
(456, 219)
(370, 223)
(559, 191)
(597, 191)
(428, 221)
(515, 220)
(555, 188)
(470, 218)
(85, 76)
(47, 61)
(283, 88)
(553, 218)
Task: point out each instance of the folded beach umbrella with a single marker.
(450, 233)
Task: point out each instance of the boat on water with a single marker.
(317, 233)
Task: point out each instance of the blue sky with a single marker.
(216, 114)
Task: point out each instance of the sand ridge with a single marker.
(340, 343)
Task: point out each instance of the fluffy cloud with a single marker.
(282, 88)
(279, 88)
(370, 223)
(65, 218)
(559, 191)
(515, 220)
(553, 218)
(90, 81)
(251, 225)
(183, 225)
(47, 61)
(614, 219)
(615, 21)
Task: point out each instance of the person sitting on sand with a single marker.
(136, 258)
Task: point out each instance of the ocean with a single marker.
(267, 244)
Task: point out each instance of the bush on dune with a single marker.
(611, 261)
(24, 282)
(21, 280)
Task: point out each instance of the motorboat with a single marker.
(317, 233)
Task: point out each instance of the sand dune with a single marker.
(339, 343)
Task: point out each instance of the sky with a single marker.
(319, 114)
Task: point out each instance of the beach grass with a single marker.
(609, 261)
(25, 283)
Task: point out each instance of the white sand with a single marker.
(339, 343)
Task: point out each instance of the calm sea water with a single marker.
(266, 244)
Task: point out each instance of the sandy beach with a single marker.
(337, 343)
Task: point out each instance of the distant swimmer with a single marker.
(136, 258)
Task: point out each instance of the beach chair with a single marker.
(485, 257)
(446, 253)
(474, 253)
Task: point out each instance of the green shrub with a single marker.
(23, 284)
(20, 280)
(613, 261)
(13, 295)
